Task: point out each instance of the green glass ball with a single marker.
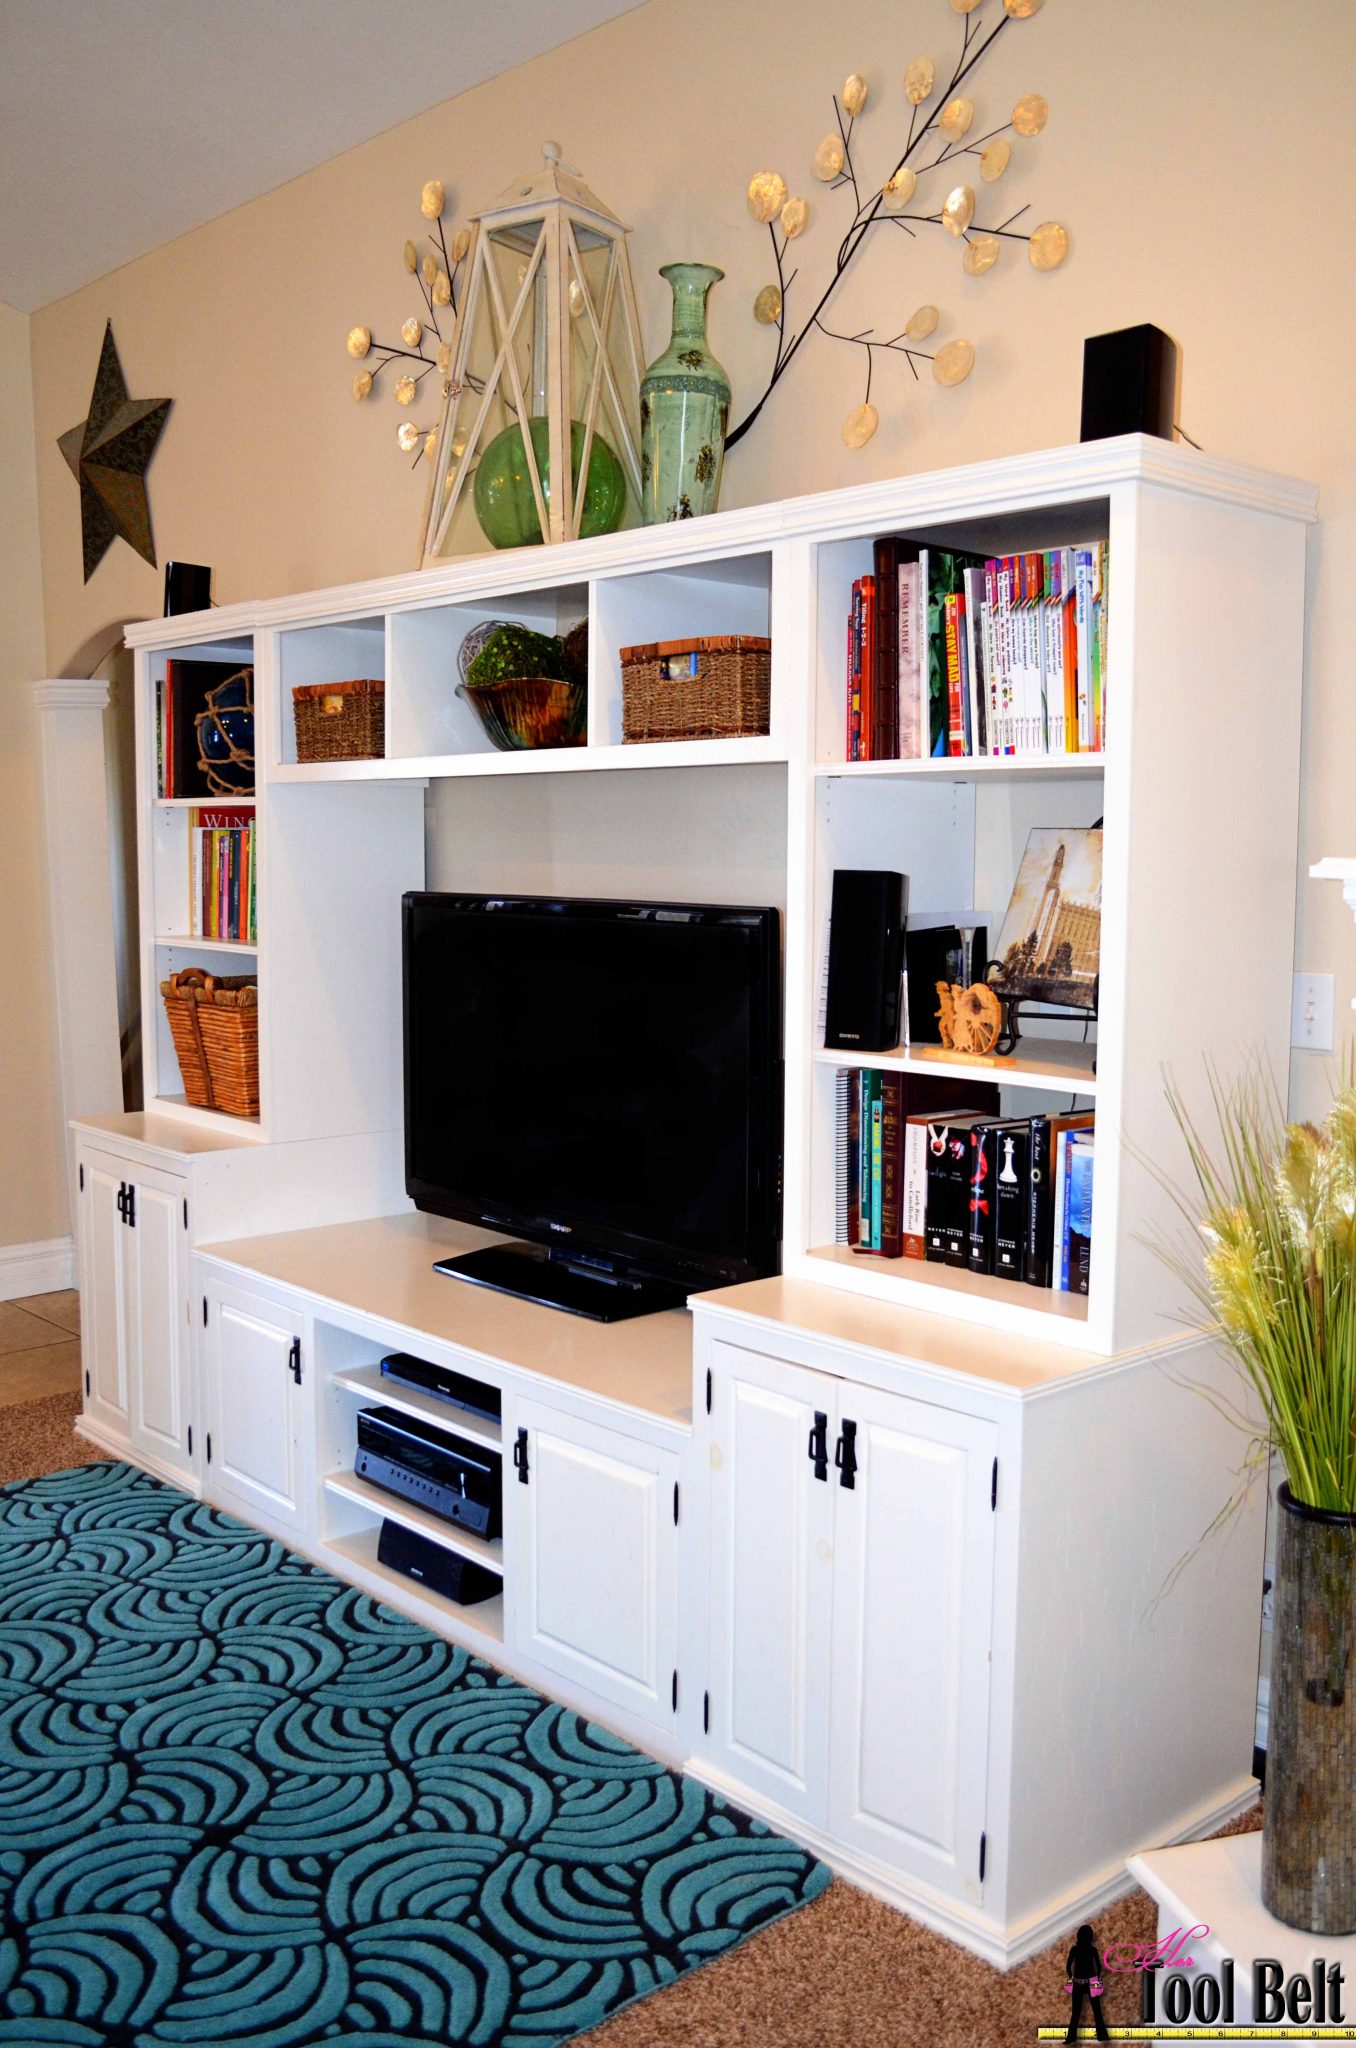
(505, 505)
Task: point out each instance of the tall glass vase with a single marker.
(1309, 1826)
(684, 407)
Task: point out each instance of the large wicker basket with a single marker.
(718, 688)
(214, 1022)
(340, 721)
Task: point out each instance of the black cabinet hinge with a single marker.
(87, 1386)
(818, 1448)
(190, 1439)
(993, 1488)
(209, 1446)
(845, 1455)
(675, 1692)
(520, 1464)
(82, 1176)
(675, 1503)
(708, 1390)
(706, 1713)
(983, 1855)
(185, 1212)
(294, 1359)
(122, 1200)
(204, 1311)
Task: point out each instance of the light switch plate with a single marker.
(1311, 1013)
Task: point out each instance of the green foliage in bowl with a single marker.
(515, 651)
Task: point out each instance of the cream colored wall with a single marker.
(1200, 155)
(33, 1204)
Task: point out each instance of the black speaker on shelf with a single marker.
(1129, 384)
(188, 588)
(435, 1568)
(866, 959)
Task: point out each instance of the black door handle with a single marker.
(122, 1200)
(818, 1450)
(294, 1360)
(520, 1458)
(845, 1455)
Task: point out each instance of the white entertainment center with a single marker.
(972, 1678)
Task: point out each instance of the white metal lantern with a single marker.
(540, 434)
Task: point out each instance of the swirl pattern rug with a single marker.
(243, 1802)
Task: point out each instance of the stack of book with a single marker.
(953, 655)
(964, 1186)
(221, 881)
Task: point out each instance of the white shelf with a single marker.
(348, 1486)
(985, 767)
(538, 761)
(952, 1290)
(202, 945)
(1044, 1063)
(373, 1385)
(210, 1119)
(358, 1553)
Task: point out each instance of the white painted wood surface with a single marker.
(259, 1421)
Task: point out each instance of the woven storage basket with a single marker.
(717, 688)
(340, 721)
(214, 1022)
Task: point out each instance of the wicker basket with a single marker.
(716, 688)
(340, 721)
(214, 1022)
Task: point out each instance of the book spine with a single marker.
(1012, 1165)
(912, 671)
(1039, 1213)
(892, 1167)
(948, 1194)
(1060, 1261)
(1101, 595)
(866, 633)
(877, 1190)
(886, 637)
(979, 1233)
(977, 674)
(1077, 736)
(915, 1187)
(842, 1154)
(167, 776)
(867, 1091)
(955, 687)
(1081, 1172)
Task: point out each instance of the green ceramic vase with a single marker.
(684, 407)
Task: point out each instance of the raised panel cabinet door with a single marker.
(771, 1535)
(912, 1621)
(254, 1459)
(103, 1314)
(156, 1248)
(595, 1552)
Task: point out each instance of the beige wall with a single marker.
(1200, 155)
(33, 1204)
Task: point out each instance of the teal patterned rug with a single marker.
(241, 1802)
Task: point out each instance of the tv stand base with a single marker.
(536, 1275)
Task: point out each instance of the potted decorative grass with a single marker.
(1277, 1218)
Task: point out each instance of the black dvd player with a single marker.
(450, 1477)
(456, 1387)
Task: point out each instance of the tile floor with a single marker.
(39, 1347)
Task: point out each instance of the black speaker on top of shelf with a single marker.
(866, 959)
(435, 1568)
(188, 588)
(1129, 384)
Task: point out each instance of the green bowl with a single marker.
(524, 712)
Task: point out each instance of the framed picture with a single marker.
(1049, 949)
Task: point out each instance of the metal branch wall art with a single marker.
(923, 190)
(435, 269)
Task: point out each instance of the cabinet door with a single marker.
(255, 1450)
(155, 1248)
(911, 1632)
(771, 1532)
(103, 1314)
(592, 1552)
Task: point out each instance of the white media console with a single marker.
(974, 1678)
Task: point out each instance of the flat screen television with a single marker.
(603, 1081)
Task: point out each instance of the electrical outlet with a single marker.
(1311, 1013)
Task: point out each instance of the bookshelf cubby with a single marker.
(1204, 658)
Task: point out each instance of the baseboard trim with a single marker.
(118, 1447)
(45, 1267)
(1004, 1947)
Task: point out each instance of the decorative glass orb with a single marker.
(504, 500)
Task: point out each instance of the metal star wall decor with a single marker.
(109, 454)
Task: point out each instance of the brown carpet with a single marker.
(845, 1972)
